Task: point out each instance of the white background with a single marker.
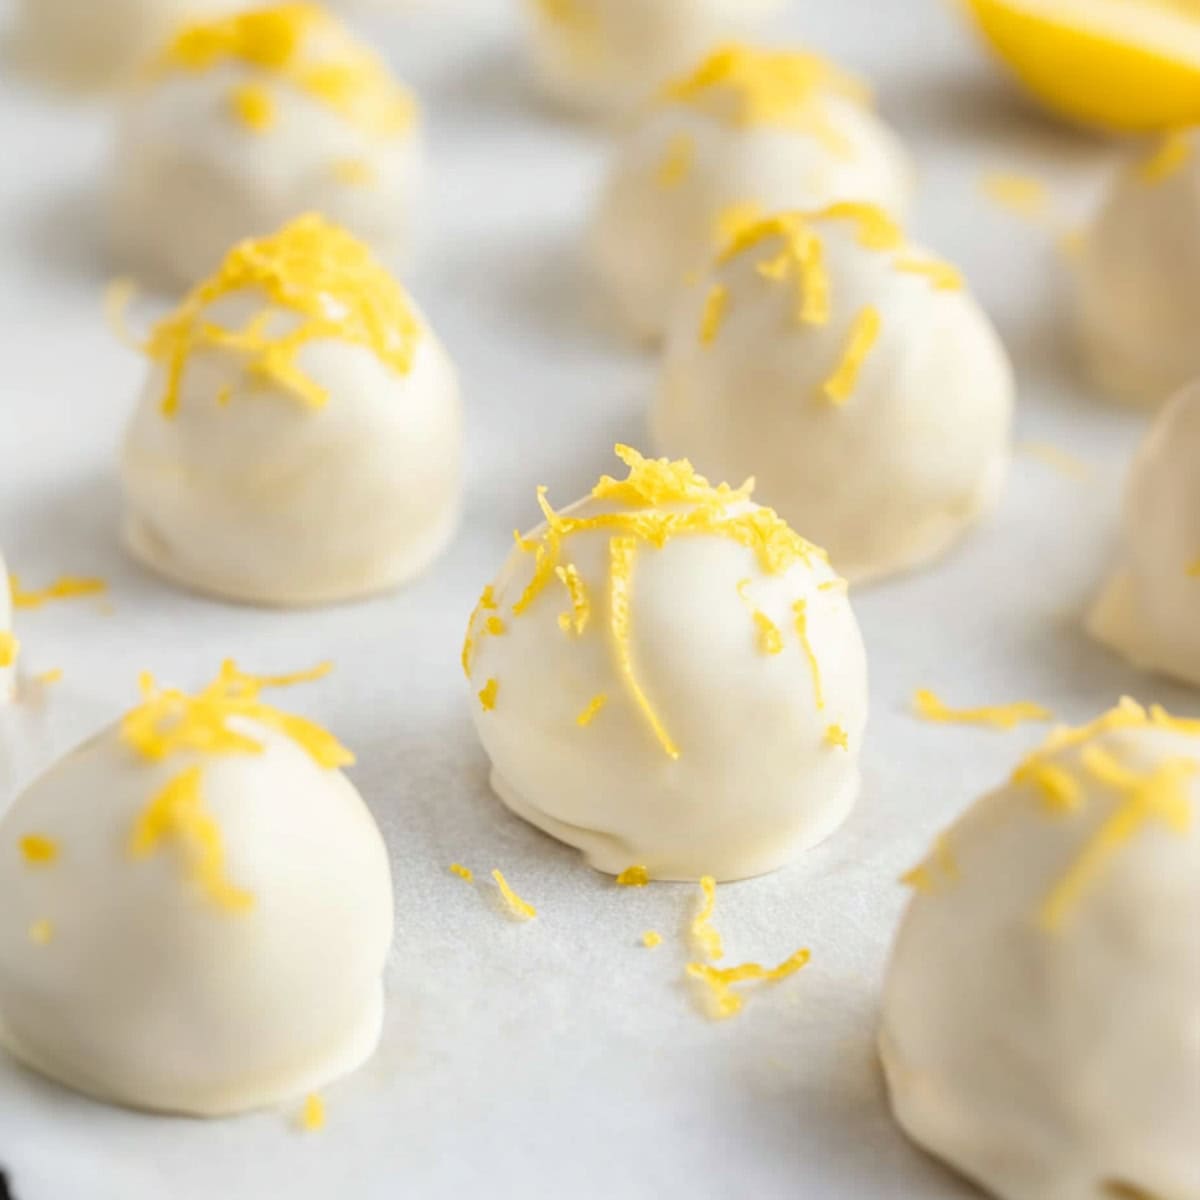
(559, 1058)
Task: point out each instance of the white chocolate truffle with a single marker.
(852, 375)
(86, 44)
(669, 677)
(1148, 611)
(299, 439)
(244, 124)
(610, 56)
(197, 908)
(1039, 1016)
(750, 130)
(1138, 280)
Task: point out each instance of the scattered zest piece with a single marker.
(38, 850)
(66, 588)
(633, 877)
(651, 938)
(41, 933)
(46, 678)
(715, 305)
(864, 333)
(312, 1116)
(462, 872)
(1001, 716)
(677, 162)
(725, 1002)
(706, 937)
(521, 908)
(588, 715)
(1021, 194)
(940, 867)
(835, 735)
(253, 107)
(800, 609)
(9, 649)
(487, 697)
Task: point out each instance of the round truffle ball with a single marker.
(852, 375)
(197, 909)
(245, 123)
(1039, 1016)
(750, 130)
(606, 57)
(1138, 280)
(668, 676)
(1148, 610)
(85, 45)
(299, 438)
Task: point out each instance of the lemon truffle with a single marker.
(244, 123)
(1148, 609)
(99, 44)
(853, 375)
(666, 674)
(1039, 1014)
(1138, 281)
(750, 129)
(197, 908)
(298, 441)
(604, 57)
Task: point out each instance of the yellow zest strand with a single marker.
(1059, 460)
(720, 980)
(169, 721)
(302, 45)
(464, 873)
(310, 268)
(41, 933)
(800, 261)
(354, 172)
(876, 229)
(714, 314)
(1021, 194)
(651, 938)
(800, 609)
(46, 678)
(588, 715)
(677, 162)
(621, 552)
(312, 1118)
(487, 697)
(835, 735)
(745, 87)
(769, 638)
(1060, 791)
(521, 908)
(487, 603)
(1000, 716)
(253, 106)
(1162, 796)
(939, 868)
(576, 621)
(864, 333)
(118, 297)
(67, 588)
(38, 850)
(9, 649)
(941, 275)
(1170, 156)
(703, 932)
(178, 814)
(633, 877)
(735, 219)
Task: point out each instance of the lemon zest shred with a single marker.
(310, 268)
(464, 873)
(800, 261)
(724, 1001)
(312, 1117)
(769, 638)
(177, 813)
(651, 938)
(488, 694)
(635, 876)
(1171, 155)
(942, 276)
(576, 621)
(864, 333)
(253, 106)
(677, 162)
(41, 932)
(835, 735)
(589, 714)
(354, 172)
(68, 587)
(119, 295)
(876, 229)
(486, 604)
(705, 935)
(713, 318)
(1060, 791)
(800, 611)
(940, 867)
(10, 647)
(46, 678)
(520, 908)
(930, 707)
(1021, 194)
(38, 850)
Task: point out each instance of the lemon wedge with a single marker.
(1127, 66)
